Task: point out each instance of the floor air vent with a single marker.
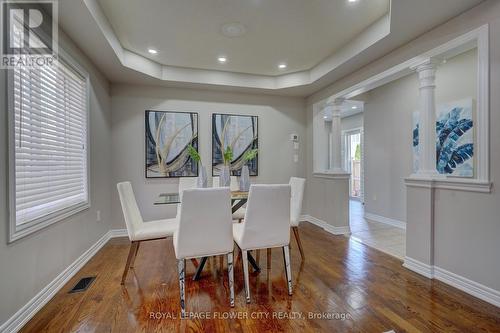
(82, 285)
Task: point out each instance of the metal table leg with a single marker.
(200, 268)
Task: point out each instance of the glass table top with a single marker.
(174, 198)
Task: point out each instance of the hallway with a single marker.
(383, 237)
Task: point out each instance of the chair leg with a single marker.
(299, 243)
(181, 270)
(288, 270)
(230, 273)
(244, 257)
(131, 254)
(268, 258)
(238, 255)
(135, 255)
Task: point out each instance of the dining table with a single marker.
(238, 199)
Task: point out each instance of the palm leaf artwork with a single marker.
(415, 136)
(459, 156)
(451, 150)
(454, 141)
(446, 125)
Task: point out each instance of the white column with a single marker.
(420, 186)
(336, 135)
(427, 123)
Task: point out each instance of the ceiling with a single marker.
(189, 33)
(350, 107)
(320, 40)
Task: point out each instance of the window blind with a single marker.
(50, 116)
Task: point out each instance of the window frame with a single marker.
(17, 232)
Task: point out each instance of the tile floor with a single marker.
(380, 236)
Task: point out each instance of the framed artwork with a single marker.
(238, 132)
(454, 139)
(168, 136)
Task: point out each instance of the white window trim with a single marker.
(477, 38)
(17, 232)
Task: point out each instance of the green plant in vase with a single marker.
(250, 155)
(227, 155)
(225, 176)
(202, 175)
(193, 153)
(245, 173)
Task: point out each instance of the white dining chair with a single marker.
(234, 186)
(204, 230)
(297, 186)
(184, 184)
(138, 230)
(266, 225)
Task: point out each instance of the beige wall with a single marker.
(388, 146)
(352, 122)
(278, 118)
(466, 224)
(326, 199)
(30, 263)
(388, 131)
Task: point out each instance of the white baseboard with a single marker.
(327, 227)
(419, 267)
(470, 287)
(473, 288)
(23, 315)
(114, 233)
(386, 220)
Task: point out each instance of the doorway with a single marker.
(353, 162)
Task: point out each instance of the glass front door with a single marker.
(352, 160)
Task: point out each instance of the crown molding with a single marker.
(373, 34)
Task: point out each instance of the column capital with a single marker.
(426, 64)
(335, 101)
(335, 104)
(426, 71)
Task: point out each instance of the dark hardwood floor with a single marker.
(360, 289)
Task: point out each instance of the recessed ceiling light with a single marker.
(351, 1)
(222, 59)
(354, 107)
(234, 29)
(282, 66)
(152, 51)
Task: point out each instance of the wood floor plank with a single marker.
(342, 286)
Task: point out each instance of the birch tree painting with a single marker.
(241, 134)
(168, 136)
